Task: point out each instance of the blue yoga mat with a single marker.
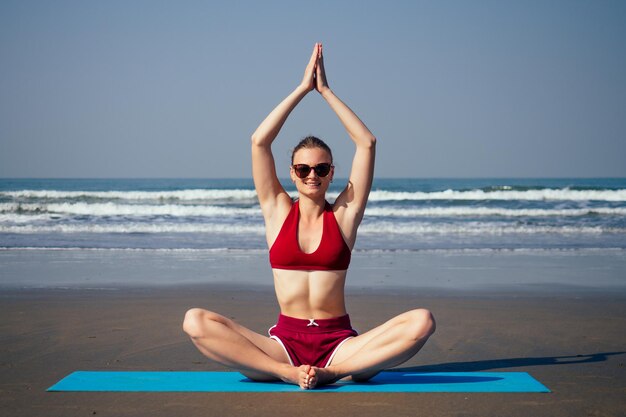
(139, 381)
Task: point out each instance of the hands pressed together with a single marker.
(314, 74)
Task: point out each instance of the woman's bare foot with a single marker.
(321, 376)
(297, 375)
(312, 377)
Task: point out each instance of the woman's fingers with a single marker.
(309, 73)
(320, 72)
(311, 67)
(315, 54)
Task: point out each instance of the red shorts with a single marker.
(311, 342)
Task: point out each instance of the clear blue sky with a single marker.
(175, 89)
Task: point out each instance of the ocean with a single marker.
(402, 214)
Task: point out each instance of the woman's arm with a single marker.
(354, 198)
(268, 187)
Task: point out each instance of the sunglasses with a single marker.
(303, 170)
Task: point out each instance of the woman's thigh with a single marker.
(269, 346)
(351, 346)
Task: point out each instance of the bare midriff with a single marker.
(310, 294)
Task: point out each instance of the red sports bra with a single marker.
(333, 254)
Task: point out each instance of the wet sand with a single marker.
(572, 342)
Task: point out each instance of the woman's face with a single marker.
(312, 184)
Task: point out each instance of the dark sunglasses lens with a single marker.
(302, 170)
(322, 170)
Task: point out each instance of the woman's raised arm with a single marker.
(268, 187)
(354, 198)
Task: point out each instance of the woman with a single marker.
(310, 244)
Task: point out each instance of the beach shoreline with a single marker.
(556, 314)
(573, 345)
(538, 272)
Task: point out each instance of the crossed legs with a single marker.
(263, 359)
(388, 345)
(257, 357)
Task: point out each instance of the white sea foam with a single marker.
(478, 228)
(465, 211)
(356, 252)
(113, 209)
(184, 195)
(29, 212)
(128, 228)
(20, 218)
(531, 195)
(564, 194)
(388, 228)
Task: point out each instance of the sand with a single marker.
(574, 343)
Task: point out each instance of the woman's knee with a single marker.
(422, 323)
(197, 321)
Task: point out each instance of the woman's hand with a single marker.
(321, 84)
(308, 81)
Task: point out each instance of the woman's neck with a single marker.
(311, 209)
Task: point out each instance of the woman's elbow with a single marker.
(257, 140)
(369, 142)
